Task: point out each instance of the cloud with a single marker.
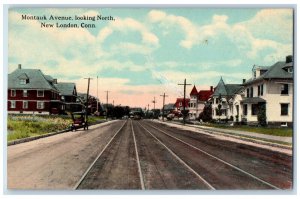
(262, 24)
(127, 48)
(250, 37)
(129, 24)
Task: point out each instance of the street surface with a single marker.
(143, 154)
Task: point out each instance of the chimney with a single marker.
(54, 81)
(244, 80)
(19, 66)
(289, 59)
(211, 88)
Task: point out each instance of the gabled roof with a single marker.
(194, 91)
(178, 100)
(220, 89)
(226, 89)
(49, 78)
(169, 106)
(23, 76)
(276, 71)
(204, 95)
(37, 80)
(66, 88)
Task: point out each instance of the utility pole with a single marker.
(97, 97)
(154, 103)
(106, 103)
(87, 101)
(184, 88)
(154, 107)
(163, 109)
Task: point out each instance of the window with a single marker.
(254, 109)
(284, 109)
(284, 89)
(245, 109)
(40, 105)
(217, 100)
(180, 103)
(40, 93)
(251, 92)
(23, 81)
(258, 90)
(262, 90)
(25, 94)
(13, 93)
(25, 104)
(290, 70)
(248, 92)
(12, 104)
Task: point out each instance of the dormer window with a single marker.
(23, 81)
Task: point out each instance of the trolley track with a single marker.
(258, 162)
(161, 168)
(116, 166)
(229, 176)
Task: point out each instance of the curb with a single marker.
(241, 137)
(28, 139)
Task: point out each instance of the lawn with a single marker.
(27, 126)
(285, 132)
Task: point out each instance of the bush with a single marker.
(261, 116)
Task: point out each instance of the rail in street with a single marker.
(142, 154)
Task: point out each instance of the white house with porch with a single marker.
(271, 87)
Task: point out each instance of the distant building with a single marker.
(92, 103)
(169, 108)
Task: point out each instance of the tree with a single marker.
(261, 115)
(206, 114)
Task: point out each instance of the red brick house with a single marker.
(30, 91)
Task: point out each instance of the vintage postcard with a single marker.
(145, 98)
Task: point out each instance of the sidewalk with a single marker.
(272, 138)
(278, 141)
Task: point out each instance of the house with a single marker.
(197, 102)
(30, 91)
(169, 108)
(179, 103)
(68, 96)
(193, 104)
(92, 103)
(271, 88)
(222, 100)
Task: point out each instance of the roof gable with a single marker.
(66, 88)
(276, 71)
(220, 89)
(194, 91)
(226, 89)
(37, 80)
(204, 95)
(23, 76)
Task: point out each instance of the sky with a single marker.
(145, 52)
